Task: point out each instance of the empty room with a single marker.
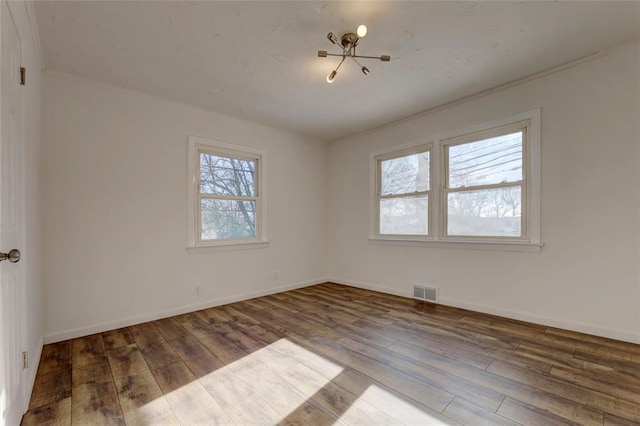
(320, 212)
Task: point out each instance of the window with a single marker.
(485, 183)
(226, 194)
(403, 193)
(477, 186)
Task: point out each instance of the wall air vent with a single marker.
(425, 293)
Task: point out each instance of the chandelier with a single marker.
(349, 41)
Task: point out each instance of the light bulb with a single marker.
(331, 76)
(362, 31)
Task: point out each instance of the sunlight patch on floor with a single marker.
(154, 412)
(394, 408)
(265, 386)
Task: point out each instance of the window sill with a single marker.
(211, 248)
(520, 246)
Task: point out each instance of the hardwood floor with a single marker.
(334, 354)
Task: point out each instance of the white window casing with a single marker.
(255, 196)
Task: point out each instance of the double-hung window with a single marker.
(226, 194)
(403, 192)
(478, 187)
(485, 183)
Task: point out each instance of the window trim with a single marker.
(530, 241)
(196, 145)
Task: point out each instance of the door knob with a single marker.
(13, 256)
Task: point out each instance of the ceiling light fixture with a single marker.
(349, 41)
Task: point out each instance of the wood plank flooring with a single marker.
(331, 354)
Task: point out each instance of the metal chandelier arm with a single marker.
(340, 64)
(383, 58)
(324, 54)
(364, 69)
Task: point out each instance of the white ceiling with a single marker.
(258, 60)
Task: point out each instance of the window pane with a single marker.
(486, 162)
(404, 215)
(405, 175)
(489, 212)
(226, 176)
(228, 219)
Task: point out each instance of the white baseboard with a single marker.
(372, 287)
(112, 325)
(517, 315)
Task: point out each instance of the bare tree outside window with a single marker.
(227, 197)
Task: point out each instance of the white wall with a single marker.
(586, 277)
(115, 213)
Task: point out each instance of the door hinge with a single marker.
(23, 76)
(25, 360)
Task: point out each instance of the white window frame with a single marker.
(196, 146)
(530, 239)
(429, 193)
